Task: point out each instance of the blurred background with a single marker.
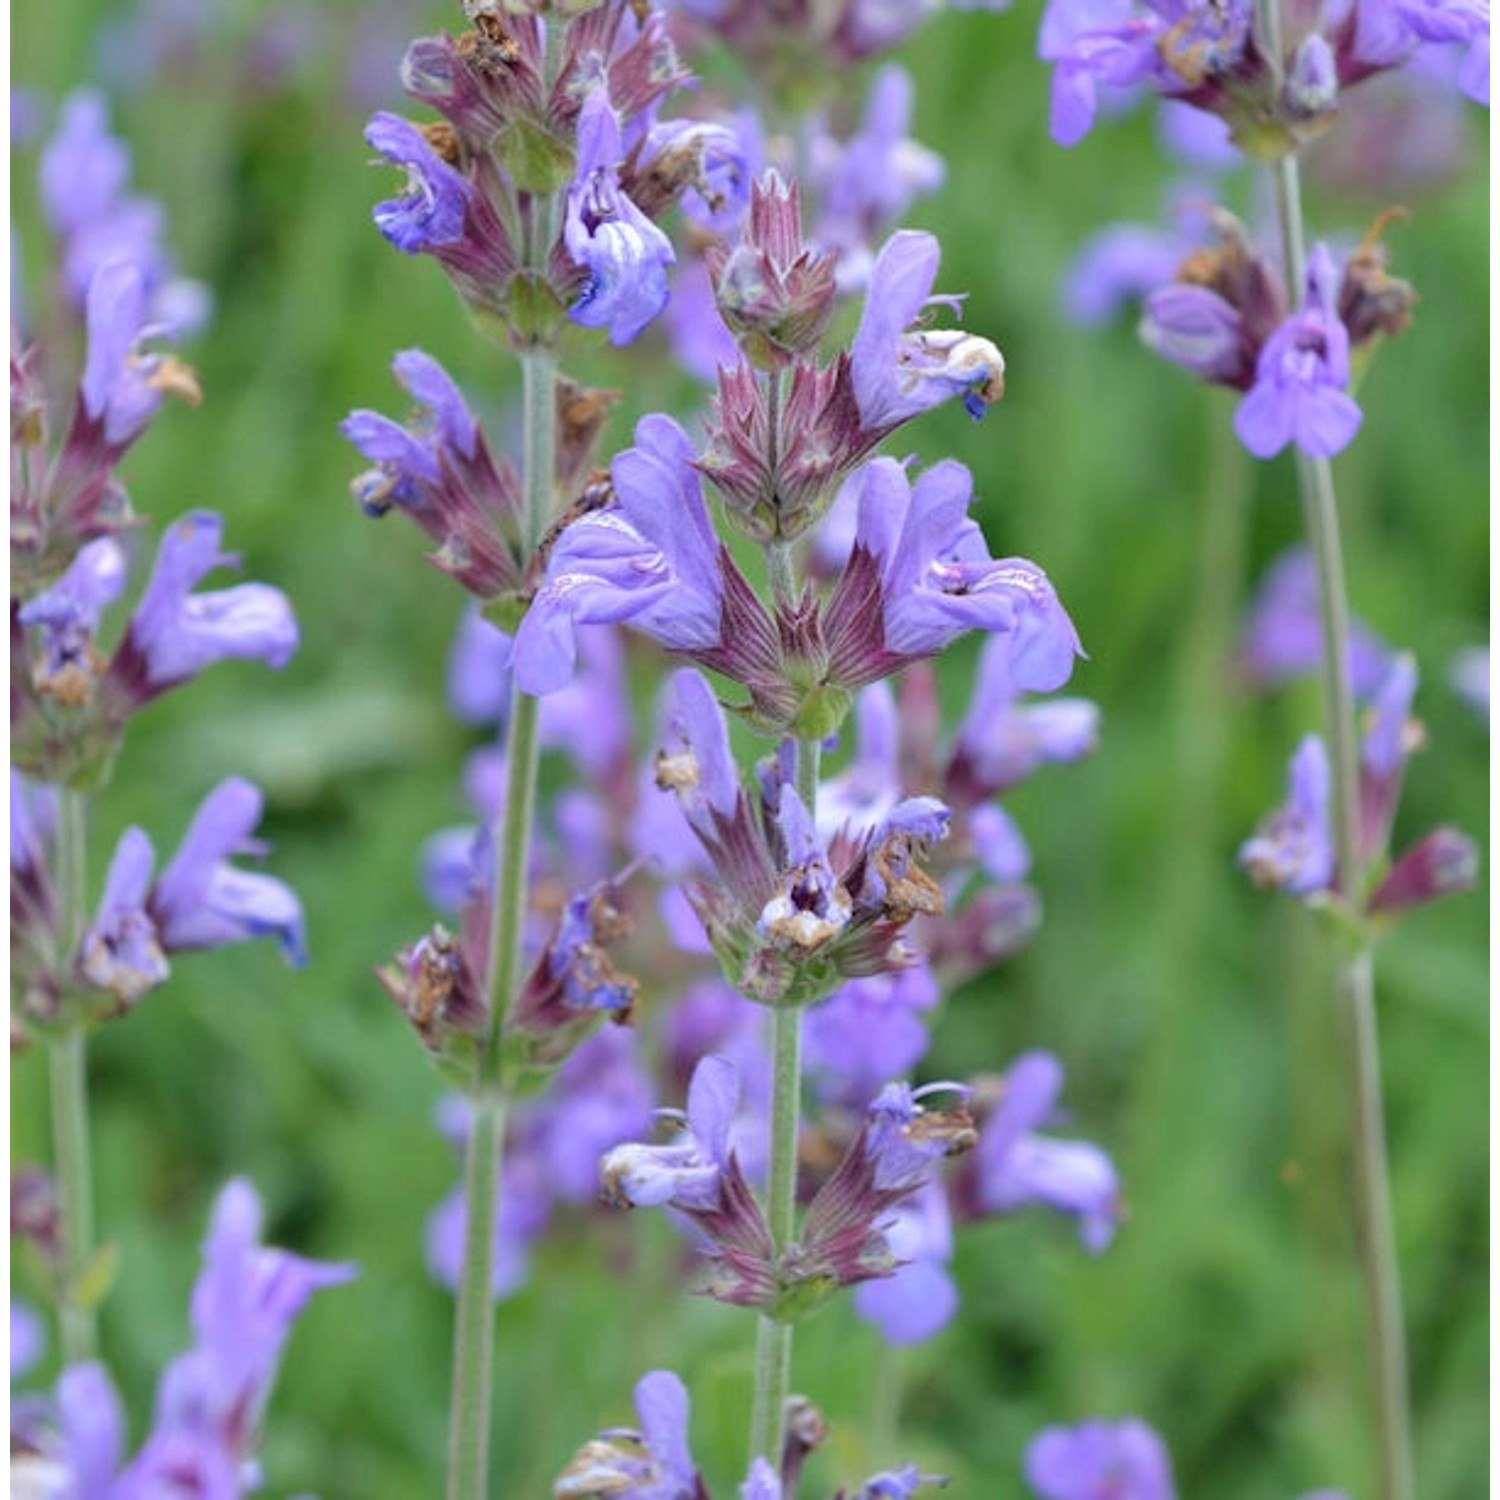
(1194, 1014)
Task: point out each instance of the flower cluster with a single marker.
(522, 122)
(1295, 849)
(1213, 57)
(210, 1401)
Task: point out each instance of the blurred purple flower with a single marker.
(919, 1298)
(202, 901)
(174, 633)
(1125, 1460)
(121, 951)
(867, 1031)
(1016, 1166)
(1302, 371)
(1293, 848)
(1283, 636)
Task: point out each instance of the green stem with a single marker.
(474, 1326)
(1356, 973)
(773, 1339)
(68, 1068)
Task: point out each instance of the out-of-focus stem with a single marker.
(473, 1343)
(68, 1068)
(773, 1339)
(1356, 977)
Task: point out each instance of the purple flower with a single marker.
(1017, 1166)
(898, 1484)
(479, 670)
(1299, 393)
(651, 559)
(68, 614)
(433, 210)
(174, 633)
(1388, 32)
(1283, 636)
(919, 1299)
(1193, 326)
(1293, 848)
(521, 1213)
(938, 579)
(121, 951)
(686, 1172)
(120, 389)
(1003, 738)
(899, 372)
(762, 1482)
(700, 339)
(860, 797)
(439, 471)
(202, 901)
(1121, 264)
(810, 909)
(210, 1401)
(652, 1464)
(869, 1030)
(1125, 1460)
(624, 254)
(28, 1337)
(871, 180)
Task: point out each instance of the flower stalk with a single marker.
(1355, 977)
(70, 1101)
(773, 1338)
(473, 1345)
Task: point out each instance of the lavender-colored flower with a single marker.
(762, 1482)
(83, 180)
(810, 908)
(651, 1464)
(1124, 1459)
(687, 1171)
(1193, 326)
(860, 797)
(203, 901)
(121, 951)
(211, 1400)
(122, 388)
(1299, 394)
(899, 372)
(867, 1031)
(898, 1484)
(1293, 848)
(870, 180)
(479, 670)
(1175, 48)
(919, 1298)
(624, 254)
(651, 559)
(1283, 636)
(938, 579)
(432, 212)
(68, 614)
(1016, 1166)
(174, 633)
(700, 339)
(1002, 737)
(1386, 33)
(521, 1214)
(1119, 265)
(28, 1337)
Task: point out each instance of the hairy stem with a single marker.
(773, 1339)
(474, 1327)
(68, 1068)
(1356, 974)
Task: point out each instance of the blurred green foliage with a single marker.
(1194, 1014)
